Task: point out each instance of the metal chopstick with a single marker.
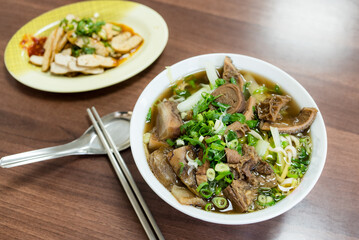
(138, 203)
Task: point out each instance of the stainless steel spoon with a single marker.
(116, 123)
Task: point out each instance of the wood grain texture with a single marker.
(80, 197)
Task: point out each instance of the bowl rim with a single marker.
(264, 68)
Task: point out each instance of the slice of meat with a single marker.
(72, 65)
(110, 33)
(168, 121)
(178, 161)
(155, 143)
(186, 197)
(161, 168)
(94, 60)
(81, 42)
(63, 60)
(36, 60)
(298, 124)
(117, 41)
(99, 47)
(66, 51)
(241, 194)
(129, 44)
(59, 69)
(248, 113)
(239, 128)
(268, 110)
(229, 71)
(230, 94)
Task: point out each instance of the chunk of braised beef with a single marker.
(269, 109)
(168, 121)
(250, 173)
(239, 128)
(248, 112)
(300, 123)
(179, 164)
(161, 168)
(229, 71)
(241, 194)
(231, 95)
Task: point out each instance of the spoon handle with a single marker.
(39, 155)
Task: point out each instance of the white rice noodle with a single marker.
(255, 134)
(295, 140)
(211, 74)
(291, 150)
(287, 184)
(277, 150)
(191, 101)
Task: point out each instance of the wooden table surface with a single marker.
(81, 198)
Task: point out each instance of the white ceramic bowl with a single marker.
(195, 64)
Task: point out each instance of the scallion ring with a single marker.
(208, 207)
(219, 202)
(211, 174)
(206, 193)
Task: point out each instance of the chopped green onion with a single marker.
(212, 139)
(210, 174)
(260, 90)
(233, 81)
(170, 142)
(231, 135)
(252, 123)
(208, 207)
(277, 89)
(218, 190)
(221, 167)
(206, 193)
(220, 202)
(201, 186)
(222, 175)
(252, 141)
(181, 169)
(88, 50)
(216, 146)
(116, 28)
(265, 200)
(149, 115)
(285, 144)
(220, 82)
(192, 83)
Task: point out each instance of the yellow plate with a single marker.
(143, 20)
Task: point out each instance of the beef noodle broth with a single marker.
(228, 141)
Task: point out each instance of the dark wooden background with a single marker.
(81, 198)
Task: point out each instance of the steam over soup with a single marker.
(228, 141)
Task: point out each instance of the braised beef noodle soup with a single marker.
(228, 141)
